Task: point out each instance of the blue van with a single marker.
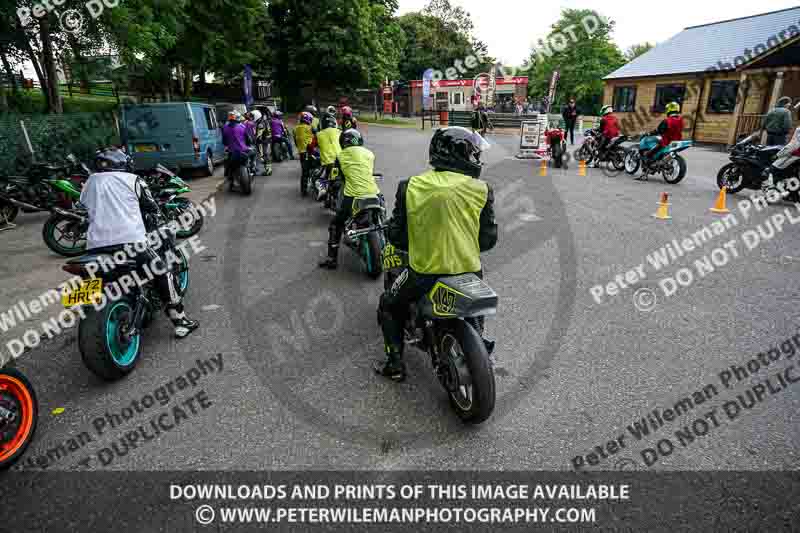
(178, 135)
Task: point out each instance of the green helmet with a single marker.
(673, 107)
(606, 110)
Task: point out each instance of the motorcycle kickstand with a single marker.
(6, 224)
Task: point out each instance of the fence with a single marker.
(52, 137)
(748, 124)
(503, 120)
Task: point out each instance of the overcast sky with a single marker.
(510, 27)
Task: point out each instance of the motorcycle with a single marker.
(364, 233)
(167, 187)
(749, 161)
(314, 172)
(557, 146)
(44, 187)
(613, 154)
(667, 161)
(19, 415)
(240, 171)
(447, 323)
(110, 333)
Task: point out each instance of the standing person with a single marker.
(570, 115)
(480, 120)
(778, 122)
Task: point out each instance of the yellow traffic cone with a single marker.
(663, 208)
(582, 168)
(720, 207)
(543, 168)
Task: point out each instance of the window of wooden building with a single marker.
(668, 93)
(722, 98)
(624, 99)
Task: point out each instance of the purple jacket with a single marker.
(277, 128)
(233, 137)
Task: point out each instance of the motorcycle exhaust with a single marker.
(68, 214)
(21, 204)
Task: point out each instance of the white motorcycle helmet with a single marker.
(256, 115)
(332, 110)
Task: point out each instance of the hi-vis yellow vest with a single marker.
(443, 210)
(302, 137)
(329, 148)
(357, 165)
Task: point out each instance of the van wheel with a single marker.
(209, 170)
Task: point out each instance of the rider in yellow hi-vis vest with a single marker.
(356, 165)
(444, 218)
(329, 148)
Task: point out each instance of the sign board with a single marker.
(532, 144)
(247, 83)
(530, 135)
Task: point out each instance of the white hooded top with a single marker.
(112, 199)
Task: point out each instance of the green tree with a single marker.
(636, 50)
(332, 44)
(582, 63)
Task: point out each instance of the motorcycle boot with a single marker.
(393, 366)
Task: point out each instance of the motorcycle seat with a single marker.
(369, 202)
(100, 259)
(465, 295)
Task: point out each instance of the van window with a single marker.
(145, 122)
(211, 122)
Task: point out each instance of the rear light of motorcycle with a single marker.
(796, 153)
(76, 270)
(196, 145)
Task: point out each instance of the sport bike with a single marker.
(110, 333)
(667, 161)
(447, 323)
(749, 161)
(167, 188)
(613, 154)
(45, 186)
(19, 414)
(364, 233)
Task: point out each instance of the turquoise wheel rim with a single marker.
(183, 275)
(122, 354)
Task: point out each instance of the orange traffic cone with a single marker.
(582, 168)
(720, 207)
(663, 207)
(543, 168)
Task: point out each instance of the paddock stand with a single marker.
(6, 225)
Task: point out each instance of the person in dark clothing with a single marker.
(778, 122)
(570, 115)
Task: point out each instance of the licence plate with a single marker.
(88, 293)
(146, 148)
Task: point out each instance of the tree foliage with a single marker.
(582, 65)
(636, 50)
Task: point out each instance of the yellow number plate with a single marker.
(87, 294)
(146, 148)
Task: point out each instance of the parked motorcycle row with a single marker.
(108, 336)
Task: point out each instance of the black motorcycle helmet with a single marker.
(350, 138)
(457, 149)
(110, 159)
(328, 121)
(311, 109)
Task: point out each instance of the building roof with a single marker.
(719, 45)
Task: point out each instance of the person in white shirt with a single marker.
(118, 202)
